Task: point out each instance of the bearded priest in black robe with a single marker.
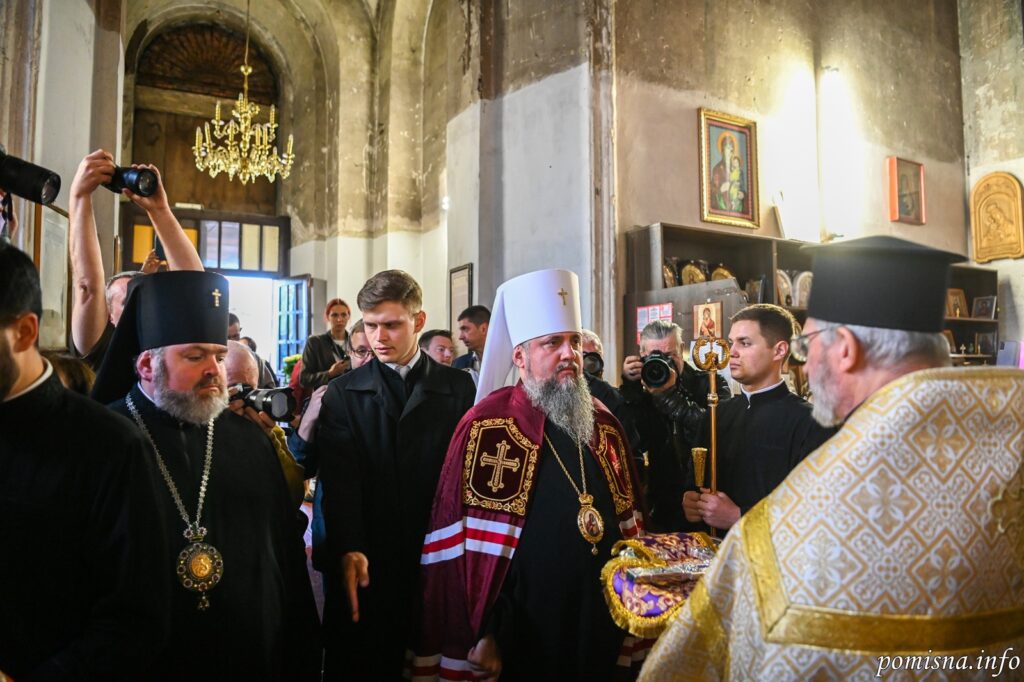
(242, 605)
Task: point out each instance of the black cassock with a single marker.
(761, 438)
(381, 441)
(81, 541)
(261, 623)
(550, 619)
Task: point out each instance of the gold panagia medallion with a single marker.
(200, 567)
(590, 523)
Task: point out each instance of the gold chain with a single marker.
(583, 473)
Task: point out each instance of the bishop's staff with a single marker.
(716, 358)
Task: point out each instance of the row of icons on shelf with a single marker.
(983, 307)
(793, 286)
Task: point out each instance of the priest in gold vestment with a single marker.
(896, 550)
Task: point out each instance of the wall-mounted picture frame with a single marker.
(460, 294)
(50, 255)
(906, 191)
(956, 303)
(707, 320)
(755, 289)
(728, 169)
(985, 343)
(984, 306)
(997, 217)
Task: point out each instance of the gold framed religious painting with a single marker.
(984, 307)
(707, 320)
(906, 191)
(956, 303)
(985, 343)
(997, 218)
(728, 169)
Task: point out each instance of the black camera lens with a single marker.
(141, 181)
(279, 403)
(593, 363)
(27, 180)
(657, 369)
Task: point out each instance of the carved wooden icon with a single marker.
(997, 229)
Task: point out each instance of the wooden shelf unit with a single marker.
(975, 281)
(751, 256)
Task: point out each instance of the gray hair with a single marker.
(592, 337)
(242, 363)
(661, 329)
(127, 274)
(892, 347)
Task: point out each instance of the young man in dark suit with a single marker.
(382, 436)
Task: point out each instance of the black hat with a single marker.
(880, 282)
(162, 309)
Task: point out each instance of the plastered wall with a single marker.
(992, 46)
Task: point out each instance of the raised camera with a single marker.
(27, 180)
(593, 363)
(657, 369)
(279, 403)
(141, 181)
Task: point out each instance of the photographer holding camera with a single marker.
(98, 305)
(265, 408)
(668, 400)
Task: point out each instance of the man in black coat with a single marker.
(764, 432)
(669, 419)
(81, 536)
(382, 436)
(241, 602)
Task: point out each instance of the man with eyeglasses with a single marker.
(668, 418)
(902, 533)
(762, 433)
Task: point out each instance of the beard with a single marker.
(188, 406)
(567, 403)
(825, 397)
(9, 372)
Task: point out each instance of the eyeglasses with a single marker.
(360, 352)
(799, 345)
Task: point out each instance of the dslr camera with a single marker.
(657, 369)
(279, 403)
(593, 363)
(27, 180)
(141, 181)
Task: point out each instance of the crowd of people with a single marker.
(151, 530)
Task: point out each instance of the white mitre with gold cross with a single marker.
(525, 307)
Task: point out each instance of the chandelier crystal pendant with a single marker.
(242, 146)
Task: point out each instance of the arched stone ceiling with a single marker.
(205, 59)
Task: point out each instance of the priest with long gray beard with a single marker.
(537, 485)
(242, 604)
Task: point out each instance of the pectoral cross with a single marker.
(216, 297)
(500, 464)
(563, 293)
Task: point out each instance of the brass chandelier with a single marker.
(242, 146)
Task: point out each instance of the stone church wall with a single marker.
(835, 88)
(992, 46)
